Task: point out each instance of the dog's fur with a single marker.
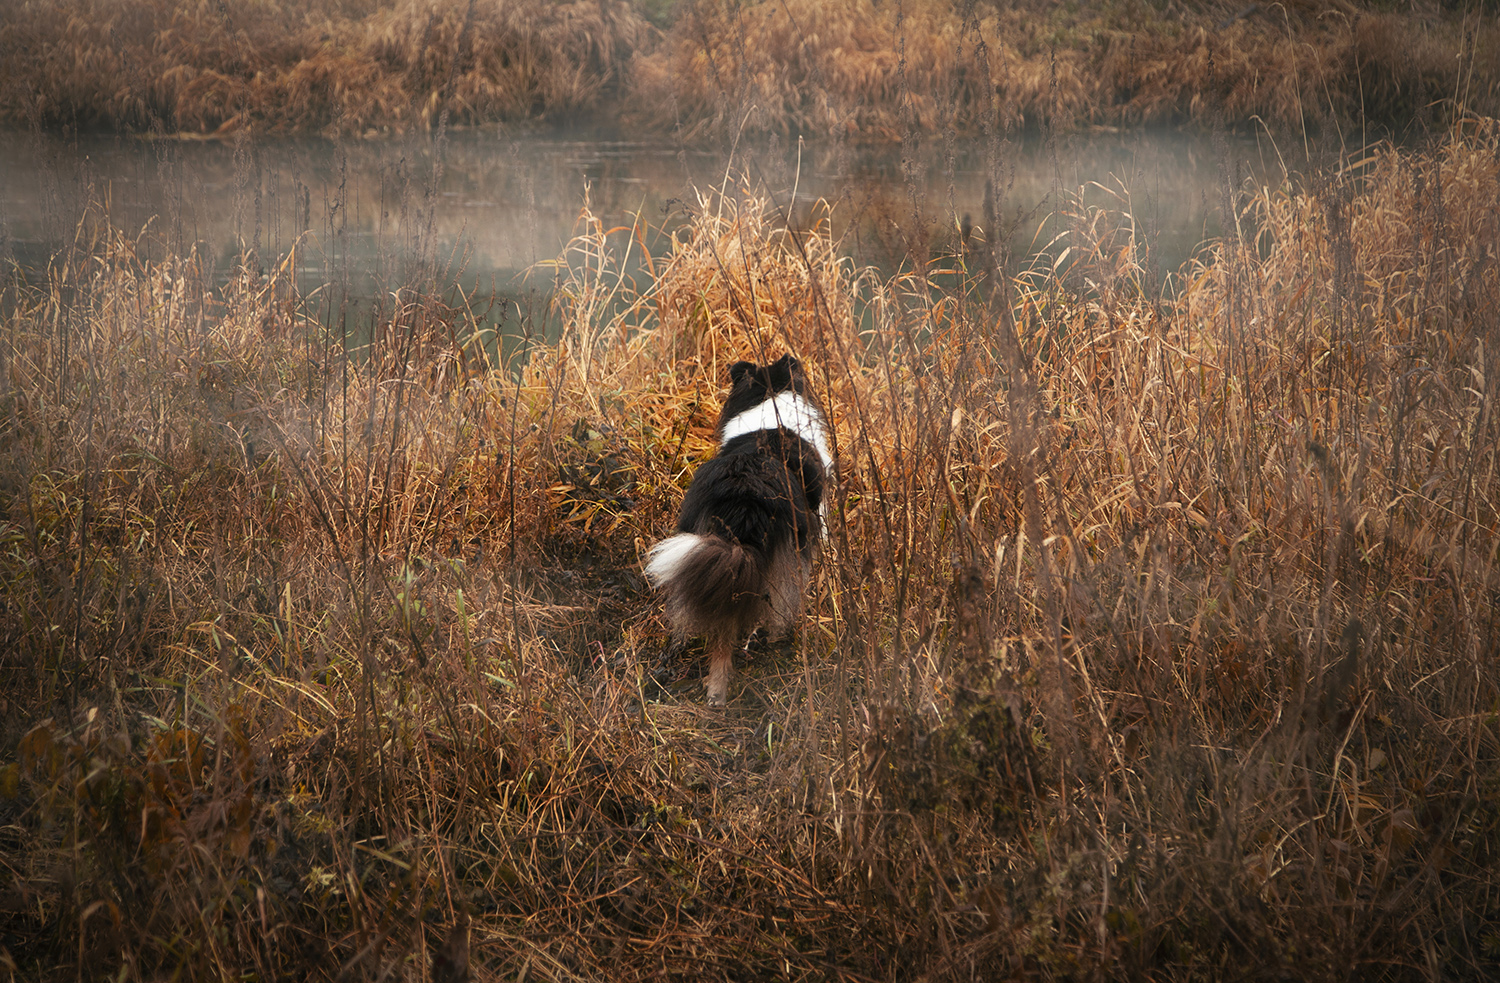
(751, 518)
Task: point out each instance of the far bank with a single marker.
(701, 70)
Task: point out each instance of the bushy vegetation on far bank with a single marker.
(700, 68)
(1155, 636)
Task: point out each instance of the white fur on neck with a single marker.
(787, 410)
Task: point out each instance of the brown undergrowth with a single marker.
(862, 69)
(704, 69)
(1154, 637)
(336, 67)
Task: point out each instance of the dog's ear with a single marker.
(739, 370)
(785, 374)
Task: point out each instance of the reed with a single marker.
(863, 70)
(1155, 635)
(355, 67)
(717, 68)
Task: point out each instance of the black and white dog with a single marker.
(751, 518)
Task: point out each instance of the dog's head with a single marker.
(750, 384)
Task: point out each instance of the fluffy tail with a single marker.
(711, 585)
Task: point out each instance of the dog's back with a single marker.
(751, 518)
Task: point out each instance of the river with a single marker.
(480, 208)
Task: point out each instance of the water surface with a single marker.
(480, 208)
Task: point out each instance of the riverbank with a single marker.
(1154, 636)
(700, 69)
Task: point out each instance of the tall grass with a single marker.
(1155, 636)
(717, 68)
(342, 67)
(868, 71)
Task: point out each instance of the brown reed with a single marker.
(717, 68)
(1155, 636)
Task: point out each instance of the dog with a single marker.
(751, 519)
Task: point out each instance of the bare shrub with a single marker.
(1155, 635)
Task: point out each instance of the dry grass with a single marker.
(720, 68)
(1155, 637)
(871, 70)
(338, 67)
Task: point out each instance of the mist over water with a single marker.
(479, 209)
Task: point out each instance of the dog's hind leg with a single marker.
(787, 584)
(720, 647)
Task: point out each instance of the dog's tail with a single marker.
(707, 580)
